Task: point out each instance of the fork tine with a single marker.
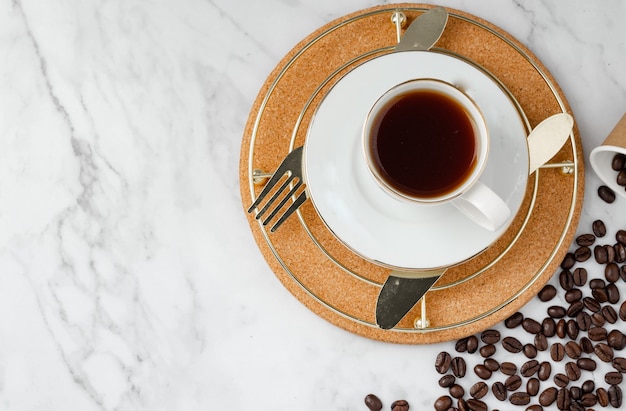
(283, 202)
(296, 204)
(277, 194)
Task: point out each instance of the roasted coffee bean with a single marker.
(612, 293)
(568, 261)
(588, 400)
(461, 345)
(580, 274)
(597, 334)
(557, 351)
(560, 328)
(600, 254)
(597, 283)
(458, 367)
(582, 254)
(531, 326)
(566, 280)
(548, 327)
(616, 340)
(530, 351)
(615, 396)
(573, 295)
(573, 350)
(490, 336)
(476, 405)
(611, 272)
(622, 273)
(621, 178)
(613, 378)
(472, 344)
(548, 396)
(574, 308)
(606, 194)
(556, 311)
(599, 229)
(545, 370)
(532, 386)
(620, 253)
(600, 295)
(529, 368)
(572, 329)
(447, 381)
(456, 391)
(547, 293)
(563, 401)
(508, 368)
(491, 364)
(462, 405)
(583, 320)
(620, 236)
(400, 405)
(609, 314)
(482, 372)
(592, 304)
(572, 371)
(517, 318)
(479, 390)
(534, 407)
(499, 391)
(512, 345)
(603, 397)
(519, 398)
(588, 386)
(442, 362)
(374, 403)
(513, 383)
(598, 319)
(587, 364)
(610, 253)
(574, 406)
(618, 161)
(561, 380)
(622, 311)
(575, 393)
(585, 239)
(619, 363)
(603, 352)
(541, 342)
(487, 350)
(585, 345)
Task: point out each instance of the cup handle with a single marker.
(483, 206)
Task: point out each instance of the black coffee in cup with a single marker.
(423, 144)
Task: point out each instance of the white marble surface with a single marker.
(129, 279)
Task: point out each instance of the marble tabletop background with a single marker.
(129, 279)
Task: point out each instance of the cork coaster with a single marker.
(340, 286)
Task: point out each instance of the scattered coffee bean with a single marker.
(580, 274)
(585, 240)
(548, 327)
(491, 364)
(487, 350)
(508, 368)
(532, 386)
(512, 345)
(573, 295)
(609, 314)
(621, 178)
(568, 261)
(462, 405)
(611, 272)
(572, 371)
(476, 405)
(545, 370)
(588, 386)
(534, 407)
(456, 391)
(472, 344)
(598, 319)
(603, 397)
(530, 351)
(519, 398)
(447, 381)
(442, 362)
(461, 345)
(620, 253)
(615, 396)
(582, 254)
(458, 367)
(622, 273)
(600, 254)
(575, 308)
(557, 351)
(610, 253)
(479, 390)
(583, 320)
(517, 318)
(600, 295)
(572, 329)
(620, 236)
(566, 280)
(606, 194)
(597, 283)
(560, 328)
(597, 334)
(400, 405)
(598, 228)
(541, 342)
(613, 378)
(373, 403)
(490, 336)
(587, 364)
(547, 293)
(619, 363)
(616, 340)
(612, 293)
(548, 396)
(482, 372)
(585, 345)
(592, 304)
(622, 311)
(529, 368)
(575, 393)
(556, 311)
(618, 162)
(513, 383)
(563, 401)
(499, 391)
(603, 352)
(561, 380)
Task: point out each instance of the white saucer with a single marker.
(369, 221)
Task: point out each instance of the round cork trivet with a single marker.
(340, 286)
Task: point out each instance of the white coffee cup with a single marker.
(426, 142)
(601, 157)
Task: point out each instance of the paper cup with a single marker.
(601, 157)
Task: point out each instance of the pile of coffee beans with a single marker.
(567, 359)
(374, 403)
